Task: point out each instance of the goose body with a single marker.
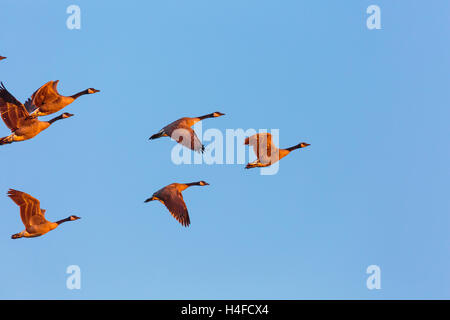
(32, 216)
(46, 100)
(181, 131)
(266, 152)
(18, 120)
(172, 198)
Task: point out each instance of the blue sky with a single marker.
(371, 189)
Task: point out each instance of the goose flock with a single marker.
(22, 120)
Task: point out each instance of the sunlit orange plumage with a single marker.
(33, 217)
(17, 119)
(266, 152)
(181, 131)
(46, 100)
(172, 198)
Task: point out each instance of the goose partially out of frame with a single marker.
(18, 120)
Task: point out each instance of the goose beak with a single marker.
(150, 199)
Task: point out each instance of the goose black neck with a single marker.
(79, 94)
(298, 146)
(51, 121)
(63, 220)
(211, 115)
(193, 184)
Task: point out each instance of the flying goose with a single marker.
(46, 100)
(17, 119)
(172, 198)
(181, 128)
(33, 217)
(266, 153)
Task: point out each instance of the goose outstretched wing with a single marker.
(45, 94)
(174, 202)
(262, 146)
(13, 112)
(30, 208)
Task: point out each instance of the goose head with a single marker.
(217, 114)
(92, 90)
(66, 115)
(1, 58)
(203, 183)
(304, 144)
(73, 218)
